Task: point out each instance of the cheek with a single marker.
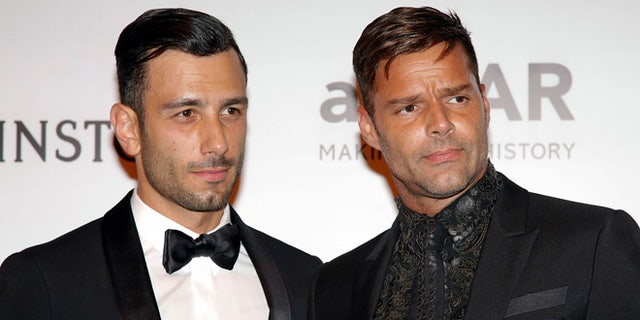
(176, 142)
(166, 141)
(236, 135)
(473, 125)
(174, 146)
(401, 142)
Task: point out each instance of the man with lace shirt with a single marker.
(468, 243)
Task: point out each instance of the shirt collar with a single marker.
(464, 215)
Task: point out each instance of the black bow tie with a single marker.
(221, 246)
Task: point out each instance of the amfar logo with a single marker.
(343, 108)
(66, 132)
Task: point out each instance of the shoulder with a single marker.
(78, 250)
(336, 282)
(71, 244)
(547, 211)
(358, 254)
(283, 253)
(29, 277)
(343, 269)
(281, 249)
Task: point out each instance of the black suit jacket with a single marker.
(543, 258)
(98, 271)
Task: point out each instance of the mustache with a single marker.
(441, 144)
(213, 163)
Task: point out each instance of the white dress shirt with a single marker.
(201, 289)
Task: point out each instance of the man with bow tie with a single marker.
(173, 248)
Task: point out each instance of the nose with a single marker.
(439, 122)
(213, 137)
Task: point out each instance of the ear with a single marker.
(125, 125)
(486, 106)
(367, 128)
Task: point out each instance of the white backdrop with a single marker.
(562, 78)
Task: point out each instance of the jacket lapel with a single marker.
(125, 261)
(268, 272)
(370, 275)
(504, 255)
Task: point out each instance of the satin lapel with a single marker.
(504, 255)
(125, 260)
(268, 272)
(370, 276)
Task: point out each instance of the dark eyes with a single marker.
(408, 109)
(186, 113)
(231, 111)
(458, 99)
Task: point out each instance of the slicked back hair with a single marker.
(157, 31)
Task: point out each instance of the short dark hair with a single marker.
(401, 31)
(157, 31)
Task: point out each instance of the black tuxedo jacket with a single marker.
(543, 258)
(98, 271)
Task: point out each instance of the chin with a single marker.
(448, 188)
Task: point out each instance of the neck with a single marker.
(431, 205)
(427, 206)
(198, 222)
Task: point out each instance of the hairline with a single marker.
(156, 52)
(385, 64)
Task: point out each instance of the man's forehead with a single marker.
(433, 53)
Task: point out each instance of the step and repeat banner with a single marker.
(562, 79)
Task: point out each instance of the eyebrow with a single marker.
(179, 103)
(444, 92)
(194, 102)
(235, 101)
(404, 100)
(451, 91)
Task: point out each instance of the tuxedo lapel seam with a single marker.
(371, 272)
(126, 264)
(268, 272)
(499, 271)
